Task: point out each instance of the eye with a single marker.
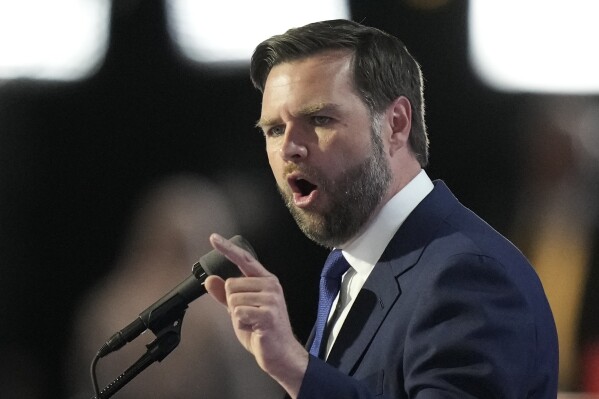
(274, 131)
(320, 120)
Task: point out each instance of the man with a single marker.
(436, 303)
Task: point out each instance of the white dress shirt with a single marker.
(364, 251)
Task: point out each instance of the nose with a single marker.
(293, 148)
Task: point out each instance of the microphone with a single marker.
(170, 307)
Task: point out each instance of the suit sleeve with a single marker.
(471, 334)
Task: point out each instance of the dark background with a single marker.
(74, 158)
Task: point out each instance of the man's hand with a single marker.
(259, 314)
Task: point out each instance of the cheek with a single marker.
(276, 166)
(273, 158)
(348, 156)
(273, 150)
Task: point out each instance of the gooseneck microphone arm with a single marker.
(166, 341)
(165, 317)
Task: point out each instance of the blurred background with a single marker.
(103, 103)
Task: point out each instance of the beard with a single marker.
(352, 198)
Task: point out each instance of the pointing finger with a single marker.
(248, 265)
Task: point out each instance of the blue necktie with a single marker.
(330, 282)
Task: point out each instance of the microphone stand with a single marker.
(167, 339)
(164, 319)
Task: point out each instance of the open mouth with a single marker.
(304, 191)
(304, 187)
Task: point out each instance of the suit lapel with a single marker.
(381, 290)
(366, 315)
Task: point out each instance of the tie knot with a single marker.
(335, 265)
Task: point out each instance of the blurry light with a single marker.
(536, 45)
(57, 39)
(228, 31)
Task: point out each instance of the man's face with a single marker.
(330, 171)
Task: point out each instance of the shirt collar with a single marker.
(364, 251)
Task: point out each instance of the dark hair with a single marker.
(383, 69)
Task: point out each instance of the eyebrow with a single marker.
(305, 111)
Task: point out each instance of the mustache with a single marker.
(310, 173)
(290, 168)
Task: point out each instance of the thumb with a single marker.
(215, 286)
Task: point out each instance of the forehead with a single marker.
(318, 78)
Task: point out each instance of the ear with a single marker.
(400, 118)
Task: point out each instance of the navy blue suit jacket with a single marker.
(451, 310)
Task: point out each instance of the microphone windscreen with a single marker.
(215, 263)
